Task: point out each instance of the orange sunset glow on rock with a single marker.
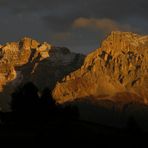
(74, 73)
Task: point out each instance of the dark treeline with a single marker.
(31, 110)
(35, 117)
(28, 106)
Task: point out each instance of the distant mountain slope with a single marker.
(116, 71)
(29, 60)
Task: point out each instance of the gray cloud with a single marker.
(52, 20)
(106, 25)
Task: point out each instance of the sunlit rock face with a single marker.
(16, 54)
(29, 60)
(118, 71)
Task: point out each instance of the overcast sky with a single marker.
(77, 24)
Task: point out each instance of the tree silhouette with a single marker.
(28, 106)
(46, 100)
(25, 99)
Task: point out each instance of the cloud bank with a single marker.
(79, 25)
(106, 25)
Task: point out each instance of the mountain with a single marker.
(30, 60)
(108, 85)
(117, 71)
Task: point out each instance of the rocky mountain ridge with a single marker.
(30, 60)
(116, 71)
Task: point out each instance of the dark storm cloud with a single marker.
(118, 10)
(101, 8)
(60, 21)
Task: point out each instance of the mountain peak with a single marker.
(120, 65)
(30, 60)
(125, 41)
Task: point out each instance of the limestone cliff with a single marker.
(30, 60)
(117, 71)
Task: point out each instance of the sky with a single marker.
(80, 25)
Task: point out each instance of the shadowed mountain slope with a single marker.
(28, 60)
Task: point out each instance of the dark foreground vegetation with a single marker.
(38, 119)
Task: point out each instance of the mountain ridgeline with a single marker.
(117, 71)
(28, 60)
